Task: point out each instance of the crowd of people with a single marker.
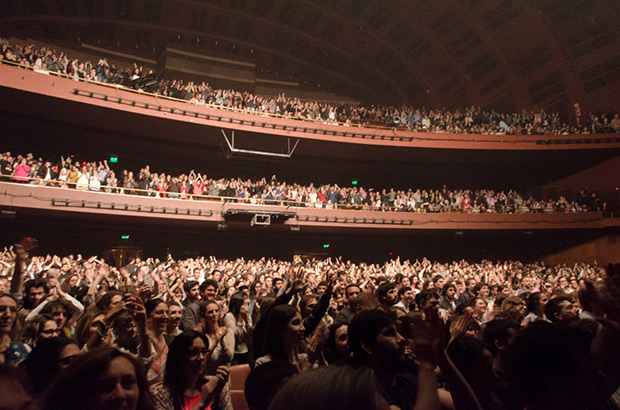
(471, 120)
(79, 333)
(99, 177)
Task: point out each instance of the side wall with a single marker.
(604, 179)
(603, 250)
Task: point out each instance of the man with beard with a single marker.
(561, 310)
(346, 314)
(191, 303)
(376, 343)
(387, 295)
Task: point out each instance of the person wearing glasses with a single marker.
(184, 386)
(41, 328)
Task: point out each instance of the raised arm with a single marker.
(17, 281)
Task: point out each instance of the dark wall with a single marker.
(89, 236)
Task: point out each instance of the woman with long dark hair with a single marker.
(336, 347)
(239, 322)
(284, 334)
(184, 386)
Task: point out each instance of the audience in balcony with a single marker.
(471, 120)
(99, 177)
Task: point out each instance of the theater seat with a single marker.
(237, 397)
(238, 374)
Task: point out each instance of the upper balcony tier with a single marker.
(116, 108)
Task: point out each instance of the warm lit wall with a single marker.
(604, 250)
(604, 179)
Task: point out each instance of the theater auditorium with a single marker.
(351, 203)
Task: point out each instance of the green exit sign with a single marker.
(113, 160)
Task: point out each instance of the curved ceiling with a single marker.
(503, 54)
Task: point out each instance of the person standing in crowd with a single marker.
(561, 309)
(536, 304)
(41, 328)
(239, 322)
(184, 386)
(331, 388)
(104, 379)
(191, 304)
(175, 311)
(406, 297)
(11, 352)
(513, 308)
(209, 289)
(468, 293)
(346, 314)
(312, 317)
(157, 320)
(499, 335)
(336, 344)
(284, 335)
(21, 171)
(387, 295)
(47, 360)
(376, 344)
(62, 307)
(448, 297)
(221, 345)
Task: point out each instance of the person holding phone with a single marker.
(184, 386)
